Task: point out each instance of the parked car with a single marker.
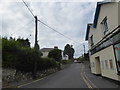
(75, 61)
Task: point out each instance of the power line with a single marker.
(28, 8)
(56, 31)
(46, 24)
(24, 25)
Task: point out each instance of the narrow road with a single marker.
(75, 76)
(66, 78)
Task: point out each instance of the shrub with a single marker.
(10, 48)
(46, 63)
(66, 61)
(24, 58)
(55, 54)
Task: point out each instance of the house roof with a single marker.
(97, 12)
(95, 18)
(46, 49)
(87, 33)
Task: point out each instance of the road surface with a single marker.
(75, 76)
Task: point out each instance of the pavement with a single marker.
(98, 81)
(77, 75)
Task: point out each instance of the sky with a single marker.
(68, 17)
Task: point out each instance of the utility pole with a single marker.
(84, 48)
(36, 30)
(36, 48)
(84, 51)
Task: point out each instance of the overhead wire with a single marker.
(56, 31)
(24, 25)
(28, 8)
(48, 25)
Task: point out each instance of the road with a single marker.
(75, 76)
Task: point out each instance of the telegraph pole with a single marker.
(36, 48)
(84, 48)
(84, 51)
(36, 30)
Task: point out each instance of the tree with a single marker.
(24, 42)
(69, 50)
(55, 54)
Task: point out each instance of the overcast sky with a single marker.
(69, 18)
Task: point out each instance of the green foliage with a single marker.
(55, 54)
(66, 61)
(23, 58)
(10, 49)
(68, 50)
(47, 63)
(26, 59)
(24, 42)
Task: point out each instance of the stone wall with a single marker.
(10, 78)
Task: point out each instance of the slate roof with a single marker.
(46, 49)
(97, 13)
(87, 33)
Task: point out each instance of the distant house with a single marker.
(64, 57)
(103, 37)
(45, 51)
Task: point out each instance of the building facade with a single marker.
(103, 37)
(45, 51)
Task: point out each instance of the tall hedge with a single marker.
(55, 54)
(23, 58)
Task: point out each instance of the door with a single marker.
(98, 68)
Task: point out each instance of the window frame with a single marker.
(106, 64)
(91, 40)
(104, 26)
(103, 66)
(111, 64)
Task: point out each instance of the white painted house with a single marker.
(103, 37)
(45, 51)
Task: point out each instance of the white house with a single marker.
(103, 37)
(45, 51)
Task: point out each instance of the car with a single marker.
(75, 61)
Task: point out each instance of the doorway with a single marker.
(98, 67)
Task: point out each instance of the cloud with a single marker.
(69, 18)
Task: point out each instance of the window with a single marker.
(104, 25)
(91, 40)
(117, 54)
(106, 64)
(92, 64)
(102, 64)
(111, 64)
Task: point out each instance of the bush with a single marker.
(66, 61)
(10, 48)
(24, 58)
(46, 63)
(55, 54)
